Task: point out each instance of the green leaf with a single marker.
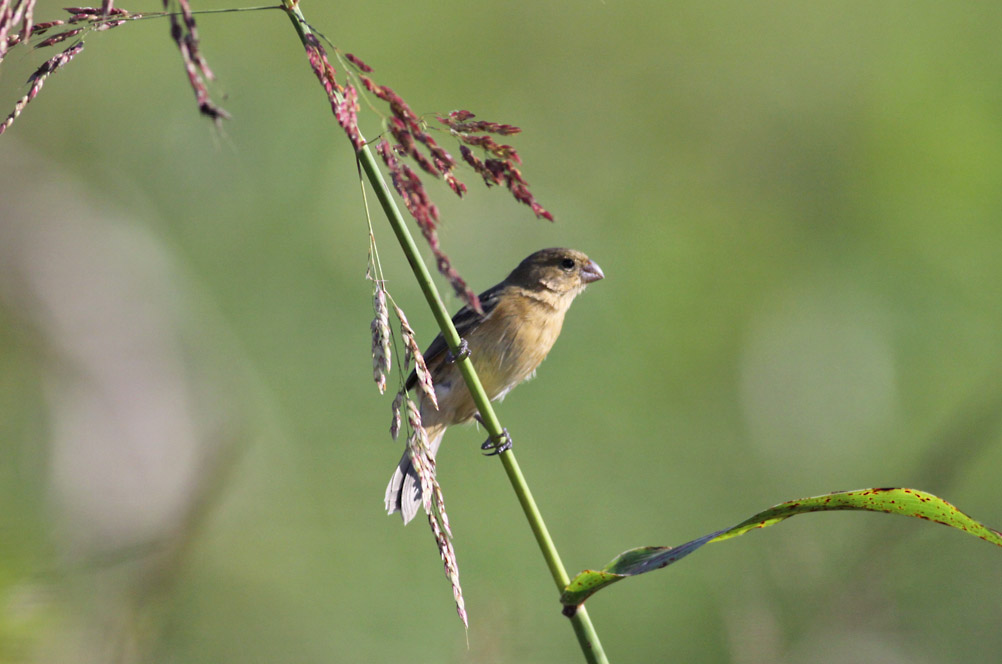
(908, 502)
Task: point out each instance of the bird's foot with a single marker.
(497, 445)
(464, 352)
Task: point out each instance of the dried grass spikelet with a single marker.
(37, 80)
(413, 353)
(445, 549)
(425, 213)
(433, 502)
(380, 338)
(355, 60)
(398, 402)
(499, 168)
(421, 459)
(343, 99)
(185, 35)
(12, 13)
(95, 20)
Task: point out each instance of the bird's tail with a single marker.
(403, 493)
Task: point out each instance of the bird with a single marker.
(522, 318)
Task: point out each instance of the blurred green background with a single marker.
(798, 207)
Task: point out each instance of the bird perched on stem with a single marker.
(521, 320)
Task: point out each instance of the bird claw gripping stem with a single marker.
(464, 352)
(498, 445)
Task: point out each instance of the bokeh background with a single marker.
(798, 207)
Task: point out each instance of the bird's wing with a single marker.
(464, 320)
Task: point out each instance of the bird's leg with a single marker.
(464, 352)
(500, 444)
(497, 444)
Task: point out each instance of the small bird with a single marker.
(521, 320)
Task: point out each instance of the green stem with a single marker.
(583, 628)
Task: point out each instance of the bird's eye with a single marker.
(567, 263)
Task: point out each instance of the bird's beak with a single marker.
(591, 272)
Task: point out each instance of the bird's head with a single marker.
(563, 272)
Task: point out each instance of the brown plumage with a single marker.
(521, 321)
